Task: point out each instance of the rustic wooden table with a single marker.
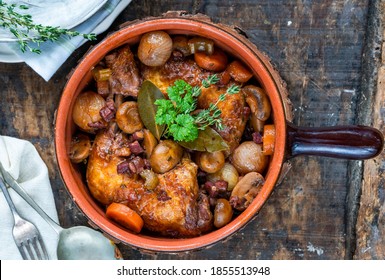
(330, 54)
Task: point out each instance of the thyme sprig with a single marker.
(26, 31)
(211, 115)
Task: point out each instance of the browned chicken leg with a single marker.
(173, 208)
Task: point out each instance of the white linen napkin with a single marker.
(22, 161)
(63, 13)
(54, 54)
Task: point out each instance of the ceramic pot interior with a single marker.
(232, 43)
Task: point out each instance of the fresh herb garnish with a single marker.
(25, 30)
(176, 113)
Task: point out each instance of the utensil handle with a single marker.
(9, 200)
(20, 191)
(347, 142)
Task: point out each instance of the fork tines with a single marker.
(33, 249)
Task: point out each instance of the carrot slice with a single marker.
(268, 140)
(125, 216)
(239, 72)
(216, 62)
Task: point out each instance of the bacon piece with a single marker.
(123, 167)
(136, 148)
(108, 111)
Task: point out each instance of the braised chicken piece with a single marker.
(175, 69)
(125, 78)
(173, 208)
(233, 116)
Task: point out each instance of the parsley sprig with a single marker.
(25, 30)
(178, 112)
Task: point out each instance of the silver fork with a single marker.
(27, 237)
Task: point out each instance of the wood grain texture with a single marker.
(370, 229)
(318, 47)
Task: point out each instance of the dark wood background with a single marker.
(330, 54)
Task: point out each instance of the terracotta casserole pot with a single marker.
(351, 142)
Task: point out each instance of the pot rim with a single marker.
(247, 52)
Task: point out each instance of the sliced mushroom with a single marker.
(256, 123)
(80, 148)
(127, 117)
(258, 101)
(246, 190)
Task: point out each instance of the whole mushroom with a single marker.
(210, 162)
(165, 156)
(127, 117)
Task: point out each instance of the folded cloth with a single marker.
(22, 161)
(51, 12)
(54, 54)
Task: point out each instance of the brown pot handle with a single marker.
(347, 142)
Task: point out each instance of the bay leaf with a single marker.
(208, 140)
(147, 95)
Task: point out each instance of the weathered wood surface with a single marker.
(371, 216)
(322, 50)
